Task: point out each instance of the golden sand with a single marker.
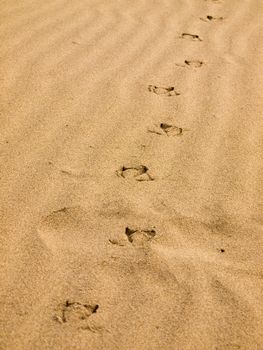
(131, 182)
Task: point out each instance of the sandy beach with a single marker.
(131, 175)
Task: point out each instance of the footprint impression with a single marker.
(139, 236)
(194, 63)
(211, 19)
(161, 90)
(189, 36)
(168, 129)
(191, 64)
(76, 313)
(139, 173)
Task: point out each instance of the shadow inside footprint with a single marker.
(139, 236)
(75, 312)
(193, 37)
(139, 173)
(194, 63)
(160, 90)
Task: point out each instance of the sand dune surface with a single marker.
(131, 177)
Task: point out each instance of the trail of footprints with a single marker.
(77, 313)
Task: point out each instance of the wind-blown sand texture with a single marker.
(131, 175)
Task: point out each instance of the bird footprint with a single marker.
(211, 19)
(75, 312)
(161, 90)
(171, 130)
(193, 37)
(168, 129)
(139, 173)
(194, 63)
(138, 235)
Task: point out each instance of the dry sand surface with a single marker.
(131, 192)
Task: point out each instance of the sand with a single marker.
(131, 182)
